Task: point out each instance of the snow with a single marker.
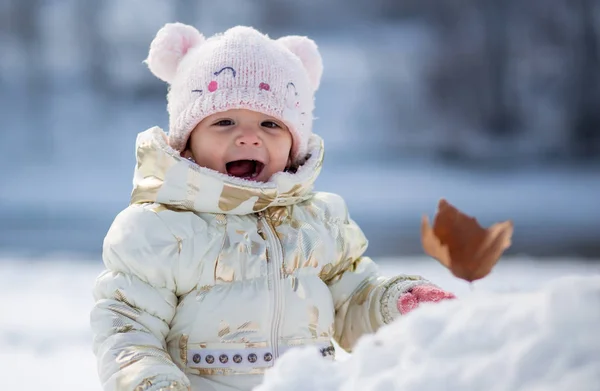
(509, 323)
(541, 340)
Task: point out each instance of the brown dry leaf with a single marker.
(458, 242)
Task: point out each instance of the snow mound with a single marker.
(541, 340)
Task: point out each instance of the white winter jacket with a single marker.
(209, 278)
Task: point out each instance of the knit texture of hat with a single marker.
(239, 69)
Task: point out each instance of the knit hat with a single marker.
(239, 69)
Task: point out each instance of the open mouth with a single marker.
(247, 169)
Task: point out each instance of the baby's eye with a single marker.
(223, 122)
(270, 124)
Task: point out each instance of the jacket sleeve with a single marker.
(364, 300)
(135, 303)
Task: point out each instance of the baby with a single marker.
(226, 258)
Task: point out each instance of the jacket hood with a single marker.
(163, 176)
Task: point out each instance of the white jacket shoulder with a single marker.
(333, 206)
(148, 241)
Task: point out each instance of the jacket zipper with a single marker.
(275, 265)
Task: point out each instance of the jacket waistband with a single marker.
(204, 358)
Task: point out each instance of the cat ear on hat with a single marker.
(171, 44)
(306, 49)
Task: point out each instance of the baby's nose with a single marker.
(247, 137)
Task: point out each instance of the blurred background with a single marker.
(491, 104)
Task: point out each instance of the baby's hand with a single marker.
(421, 294)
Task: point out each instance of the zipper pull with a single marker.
(259, 225)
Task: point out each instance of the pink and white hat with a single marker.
(239, 69)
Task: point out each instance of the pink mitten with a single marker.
(420, 294)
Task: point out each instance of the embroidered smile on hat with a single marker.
(239, 69)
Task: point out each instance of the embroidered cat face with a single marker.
(213, 85)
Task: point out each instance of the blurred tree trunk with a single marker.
(586, 112)
(471, 79)
(187, 11)
(272, 11)
(5, 31)
(93, 47)
(26, 28)
(499, 116)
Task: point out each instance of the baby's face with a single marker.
(241, 143)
